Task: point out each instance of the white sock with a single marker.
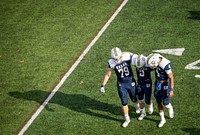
(127, 117)
(162, 115)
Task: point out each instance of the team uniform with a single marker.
(121, 63)
(125, 78)
(162, 87)
(144, 87)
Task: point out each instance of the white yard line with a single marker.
(33, 117)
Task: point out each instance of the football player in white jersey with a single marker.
(164, 84)
(121, 62)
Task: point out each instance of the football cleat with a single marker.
(162, 122)
(142, 116)
(126, 122)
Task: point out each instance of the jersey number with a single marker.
(141, 72)
(124, 71)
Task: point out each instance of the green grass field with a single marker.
(40, 40)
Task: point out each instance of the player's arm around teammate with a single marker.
(144, 85)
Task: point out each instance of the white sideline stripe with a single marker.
(33, 117)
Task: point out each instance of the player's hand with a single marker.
(171, 93)
(102, 89)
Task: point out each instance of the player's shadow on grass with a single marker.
(76, 102)
(192, 131)
(195, 15)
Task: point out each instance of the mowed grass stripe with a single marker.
(79, 108)
(39, 42)
(34, 116)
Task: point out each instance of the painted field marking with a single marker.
(194, 67)
(176, 51)
(179, 52)
(197, 76)
(33, 117)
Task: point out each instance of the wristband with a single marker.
(102, 85)
(171, 89)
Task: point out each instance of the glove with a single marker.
(102, 90)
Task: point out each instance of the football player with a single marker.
(120, 62)
(144, 86)
(164, 84)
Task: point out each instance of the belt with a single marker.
(162, 81)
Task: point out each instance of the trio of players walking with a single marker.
(141, 92)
